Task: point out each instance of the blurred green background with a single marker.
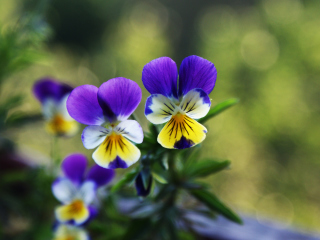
(267, 54)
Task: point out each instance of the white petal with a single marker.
(64, 190)
(62, 108)
(49, 108)
(196, 103)
(159, 109)
(130, 129)
(87, 192)
(93, 136)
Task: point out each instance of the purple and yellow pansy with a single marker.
(53, 96)
(77, 189)
(178, 103)
(70, 232)
(107, 109)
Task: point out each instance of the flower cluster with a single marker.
(76, 191)
(176, 100)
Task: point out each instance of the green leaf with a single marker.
(145, 175)
(220, 107)
(159, 178)
(212, 202)
(18, 119)
(205, 168)
(138, 228)
(126, 179)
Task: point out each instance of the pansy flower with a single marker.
(53, 96)
(70, 232)
(179, 102)
(77, 189)
(106, 109)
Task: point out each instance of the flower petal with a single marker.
(93, 136)
(116, 152)
(130, 129)
(100, 176)
(83, 105)
(74, 167)
(48, 88)
(196, 103)
(141, 190)
(119, 97)
(160, 77)
(68, 231)
(87, 192)
(64, 190)
(181, 132)
(196, 72)
(76, 211)
(159, 109)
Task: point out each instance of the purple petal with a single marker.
(74, 167)
(93, 211)
(160, 77)
(119, 97)
(48, 88)
(83, 105)
(196, 72)
(101, 176)
(141, 190)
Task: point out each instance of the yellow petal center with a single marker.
(59, 126)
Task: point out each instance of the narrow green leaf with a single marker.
(212, 202)
(220, 107)
(126, 179)
(205, 168)
(145, 175)
(159, 178)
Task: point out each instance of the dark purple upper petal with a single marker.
(196, 72)
(119, 97)
(74, 167)
(160, 77)
(48, 88)
(101, 176)
(83, 105)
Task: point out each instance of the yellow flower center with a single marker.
(59, 126)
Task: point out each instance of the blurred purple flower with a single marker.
(179, 103)
(53, 96)
(77, 189)
(106, 109)
(141, 190)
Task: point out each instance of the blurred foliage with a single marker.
(265, 55)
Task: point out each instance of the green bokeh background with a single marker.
(267, 54)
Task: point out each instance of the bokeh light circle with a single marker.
(260, 49)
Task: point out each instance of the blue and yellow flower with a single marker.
(107, 109)
(70, 232)
(178, 103)
(53, 96)
(77, 190)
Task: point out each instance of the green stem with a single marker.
(54, 154)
